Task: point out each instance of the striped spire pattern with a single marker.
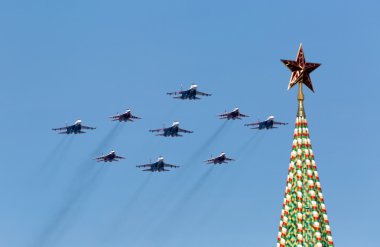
(304, 221)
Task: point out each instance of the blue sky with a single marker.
(66, 60)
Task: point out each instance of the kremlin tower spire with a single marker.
(304, 221)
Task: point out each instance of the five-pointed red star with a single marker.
(300, 70)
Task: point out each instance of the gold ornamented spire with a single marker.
(304, 221)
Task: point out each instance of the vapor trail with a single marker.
(87, 177)
(188, 196)
(246, 145)
(194, 189)
(53, 154)
(204, 147)
(126, 211)
(253, 149)
(51, 164)
(51, 231)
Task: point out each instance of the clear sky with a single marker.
(66, 60)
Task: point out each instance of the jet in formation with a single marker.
(171, 131)
(158, 166)
(267, 124)
(234, 114)
(222, 158)
(125, 117)
(190, 94)
(109, 157)
(76, 128)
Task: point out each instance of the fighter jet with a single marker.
(76, 128)
(109, 157)
(158, 166)
(267, 124)
(222, 158)
(126, 116)
(190, 94)
(171, 131)
(234, 114)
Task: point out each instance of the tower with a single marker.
(304, 221)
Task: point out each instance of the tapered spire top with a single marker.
(300, 75)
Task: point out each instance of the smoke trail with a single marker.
(85, 181)
(50, 232)
(50, 164)
(53, 154)
(117, 225)
(188, 196)
(193, 159)
(246, 145)
(253, 149)
(204, 147)
(192, 191)
(105, 142)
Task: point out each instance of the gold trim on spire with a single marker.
(301, 108)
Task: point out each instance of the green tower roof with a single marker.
(304, 221)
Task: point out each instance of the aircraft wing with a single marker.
(171, 166)
(252, 124)
(175, 93)
(101, 158)
(203, 94)
(115, 118)
(134, 117)
(62, 128)
(184, 131)
(148, 170)
(88, 128)
(156, 130)
(224, 115)
(210, 160)
(146, 165)
(279, 123)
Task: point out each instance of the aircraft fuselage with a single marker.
(172, 131)
(74, 129)
(268, 124)
(124, 117)
(110, 157)
(158, 166)
(233, 114)
(189, 94)
(220, 159)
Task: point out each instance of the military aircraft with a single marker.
(158, 166)
(222, 158)
(171, 131)
(109, 157)
(190, 94)
(126, 116)
(267, 124)
(76, 128)
(234, 114)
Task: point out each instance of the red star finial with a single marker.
(300, 70)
